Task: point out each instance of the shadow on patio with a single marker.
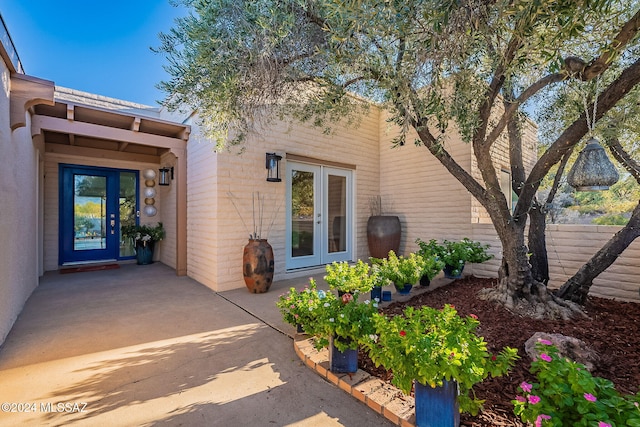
(141, 346)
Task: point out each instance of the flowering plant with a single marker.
(301, 307)
(400, 270)
(429, 346)
(568, 395)
(349, 278)
(345, 319)
(455, 254)
(143, 234)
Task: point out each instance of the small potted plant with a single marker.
(455, 254)
(346, 278)
(342, 322)
(144, 238)
(402, 271)
(300, 308)
(439, 351)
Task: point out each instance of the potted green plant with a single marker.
(402, 271)
(455, 254)
(343, 277)
(300, 308)
(341, 324)
(438, 350)
(144, 238)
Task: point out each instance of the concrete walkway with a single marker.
(138, 346)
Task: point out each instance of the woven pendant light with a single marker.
(592, 171)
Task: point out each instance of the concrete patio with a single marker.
(139, 346)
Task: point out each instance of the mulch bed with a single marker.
(612, 330)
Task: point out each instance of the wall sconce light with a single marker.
(166, 175)
(592, 171)
(273, 167)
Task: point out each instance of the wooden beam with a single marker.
(101, 154)
(71, 112)
(55, 124)
(135, 126)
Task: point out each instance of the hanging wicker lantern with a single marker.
(592, 171)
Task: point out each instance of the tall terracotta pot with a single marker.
(383, 235)
(257, 259)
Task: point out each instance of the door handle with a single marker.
(113, 226)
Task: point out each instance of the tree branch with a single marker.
(626, 35)
(624, 158)
(617, 90)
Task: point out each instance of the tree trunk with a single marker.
(577, 287)
(538, 244)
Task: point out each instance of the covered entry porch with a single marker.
(97, 144)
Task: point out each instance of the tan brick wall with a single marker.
(202, 211)
(568, 248)
(216, 233)
(430, 202)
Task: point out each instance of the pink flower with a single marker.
(590, 397)
(546, 357)
(603, 424)
(525, 386)
(346, 298)
(521, 399)
(533, 399)
(540, 418)
(545, 342)
(473, 316)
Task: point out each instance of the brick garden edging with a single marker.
(378, 395)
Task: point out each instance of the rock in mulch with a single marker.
(573, 348)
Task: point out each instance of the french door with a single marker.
(94, 204)
(319, 215)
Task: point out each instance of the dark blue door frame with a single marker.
(106, 244)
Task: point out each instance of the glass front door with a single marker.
(94, 204)
(319, 215)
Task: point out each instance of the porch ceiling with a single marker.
(70, 126)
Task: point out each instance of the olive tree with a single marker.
(477, 64)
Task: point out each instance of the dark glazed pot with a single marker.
(383, 235)
(258, 263)
(144, 253)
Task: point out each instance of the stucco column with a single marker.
(180, 176)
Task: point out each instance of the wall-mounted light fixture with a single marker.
(166, 175)
(592, 171)
(273, 167)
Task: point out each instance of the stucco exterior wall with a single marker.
(18, 213)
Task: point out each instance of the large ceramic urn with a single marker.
(258, 265)
(383, 235)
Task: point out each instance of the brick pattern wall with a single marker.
(569, 247)
(216, 235)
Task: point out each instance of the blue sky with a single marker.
(97, 46)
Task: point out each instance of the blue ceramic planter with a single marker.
(437, 406)
(404, 290)
(448, 272)
(144, 253)
(376, 292)
(342, 361)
